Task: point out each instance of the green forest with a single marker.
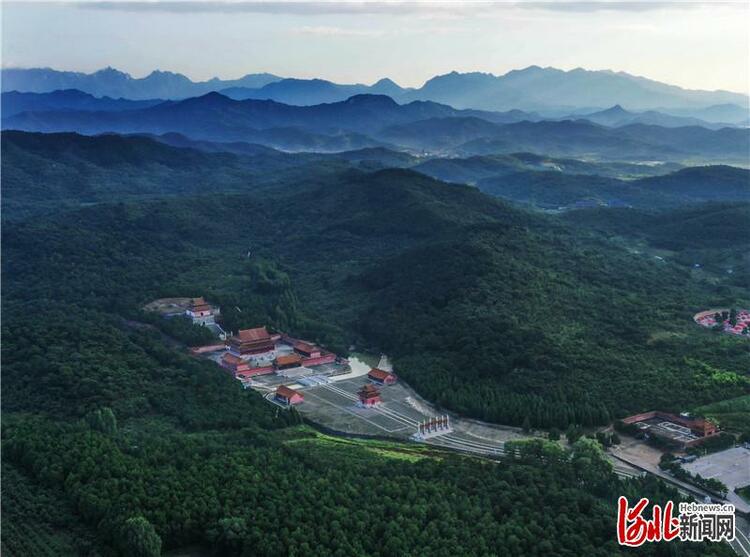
(488, 310)
(117, 442)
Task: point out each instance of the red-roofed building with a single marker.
(382, 377)
(250, 341)
(253, 372)
(306, 349)
(234, 363)
(288, 396)
(200, 311)
(288, 361)
(369, 396)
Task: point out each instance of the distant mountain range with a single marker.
(617, 116)
(548, 90)
(351, 124)
(110, 82)
(536, 88)
(14, 102)
(43, 172)
(365, 121)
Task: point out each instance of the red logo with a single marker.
(633, 530)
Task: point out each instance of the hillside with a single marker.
(469, 170)
(553, 189)
(496, 335)
(486, 309)
(47, 172)
(713, 237)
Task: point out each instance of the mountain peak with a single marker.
(616, 109)
(385, 81)
(379, 101)
(109, 71)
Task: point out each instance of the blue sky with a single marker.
(700, 45)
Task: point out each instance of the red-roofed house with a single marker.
(288, 396)
(250, 341)
(381, 376)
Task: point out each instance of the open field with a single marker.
(168, 306)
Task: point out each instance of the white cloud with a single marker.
(325, 31)
(420, 8)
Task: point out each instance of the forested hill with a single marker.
(491, 311)
(115, 442)
(47, 172)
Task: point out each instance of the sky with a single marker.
(693, 44)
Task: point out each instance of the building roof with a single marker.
(231, 359)
(286, 392)
(369, 389)
(288, 359)
(199, 304)
(259, 333)
(377, 373)
(305, 346)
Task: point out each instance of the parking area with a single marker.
(731, 467)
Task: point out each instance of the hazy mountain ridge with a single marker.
(114, 83)
(554, 91)
(617, 116)
(377, 120)
(43, 172)
(534, 88)
(14, 102)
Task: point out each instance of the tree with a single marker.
(733, 317)
(526, 426)
(573, 433)
(140, 539)
(103, 420)
(554, 434)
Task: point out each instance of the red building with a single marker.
(382, 377)
(688, 432)
(251, 341)
(369, 396)
(234, 363)
(253, 372)
(312, 355)
(288, 361)
(288, 396)
(199, 307)
(306, 350)
(240, 368)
